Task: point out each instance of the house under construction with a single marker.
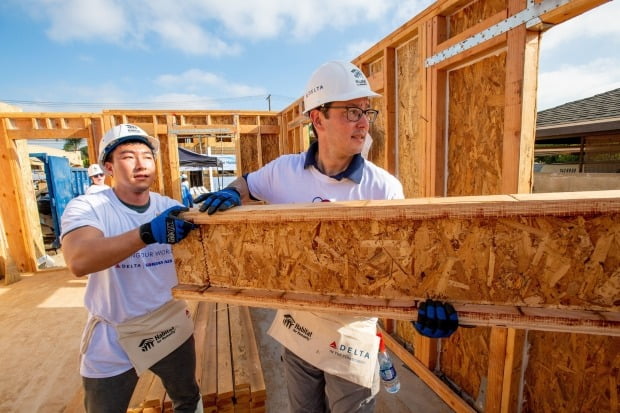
(537, 274)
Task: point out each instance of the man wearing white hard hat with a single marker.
(121, 239)
(95, 173)
(321, 376)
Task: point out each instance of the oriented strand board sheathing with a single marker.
(476, 103)
(377, 152)
(270, 147)
(249, 153)
(474, 13)
(377, 132)
(554, 253)
(572, 373)
(464, 357)
(411, 152)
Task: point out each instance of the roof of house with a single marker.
(602, 106)
(597, 114)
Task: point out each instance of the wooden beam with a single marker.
(513, 365)
(69, 133)
(495, 371)
(504, 250)
(513, 107)
(390, 107)
(15, 221)
(544, 261)
(585, 322)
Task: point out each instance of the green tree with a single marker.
(77, 144)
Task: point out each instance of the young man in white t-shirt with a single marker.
(120, 238)
(337, 100)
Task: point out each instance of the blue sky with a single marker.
(89, 55)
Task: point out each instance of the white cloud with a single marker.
(575, 82)
(353, 50)
(183, 101)
(406, 10)
(84, 20)
(195, 80)
(211, 27)
(579, 58)
(599, 22)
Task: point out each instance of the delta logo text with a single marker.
(290, 323)
(314, 90)
(353, 354)
(150, 342)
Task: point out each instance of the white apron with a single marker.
(348, 351)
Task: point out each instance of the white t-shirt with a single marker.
(285, 180)
(135, 286)
(93, 189)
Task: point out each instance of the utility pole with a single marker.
(268, 99)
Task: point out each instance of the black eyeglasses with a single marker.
(97, 176)
(354, 114)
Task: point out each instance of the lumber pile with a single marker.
(507, 257)
(228, 367)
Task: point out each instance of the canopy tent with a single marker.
(189, 158)
(192, 161)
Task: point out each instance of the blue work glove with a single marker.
(436, 319)
(219, 201)
(166, 228)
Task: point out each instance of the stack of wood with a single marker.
(228, 367)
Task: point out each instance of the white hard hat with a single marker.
(183, 176)
(336, 81)
(94, 169)
(125, 132)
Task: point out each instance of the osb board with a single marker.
(475, 104)
(248, 120)
(377, 151)
(249, 153)
(464, 358)
(531, 252)
(405, 332)
(474, 13)
(270, 147)
(410, 139)
(572, 373)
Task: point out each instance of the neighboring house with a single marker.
(578, 145)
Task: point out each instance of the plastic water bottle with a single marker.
(386, 369)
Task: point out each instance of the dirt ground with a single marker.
(41, 320)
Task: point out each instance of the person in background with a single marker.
(337, 101)
(97, 177)
(186, 194)
(120, 238)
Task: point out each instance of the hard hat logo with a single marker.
(360, 79)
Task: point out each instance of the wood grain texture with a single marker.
(530, 251)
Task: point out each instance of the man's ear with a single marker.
(315, 118)
(107, 166)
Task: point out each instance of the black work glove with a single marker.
(166, 228)
(436, 319)
(219, 201)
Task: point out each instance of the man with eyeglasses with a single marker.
(337, 101)
(98, 178)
